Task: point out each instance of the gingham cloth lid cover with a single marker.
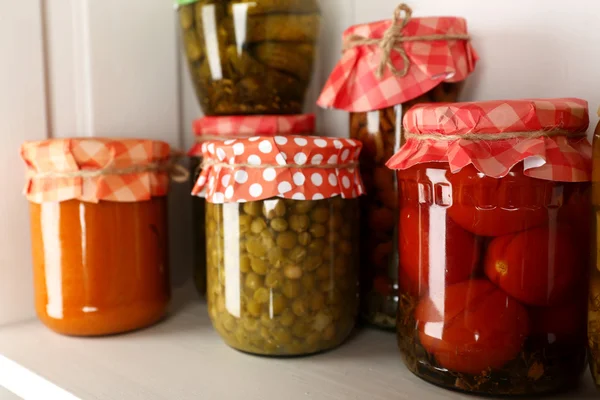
(354, 85)
(71, 156)
(441, 133)
(231, 127)
(291, 167)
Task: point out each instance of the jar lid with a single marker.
(94, 169)
(185, 2)
(240, 126)
(547, 135)
(291, 167)
(390, 62)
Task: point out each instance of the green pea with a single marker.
(299, 222)
(274, 279)
(244, 264)
(279, 225)
(346, 247)
(333, 238)
(298, 254)
(316, 246)
(303, 207)
(257, 226)
(253, 208)
(287, 240)
(317, 230)
(299, 307)
(308, 282)
(266, 321)
(276, 257)
(323, 272)
(245, 222)
(250, 324)
(278, 304)
(317, 301)
(253, 281)
(313, 339)
(253, 308)
(300, 329)
(228, 322)
(255, 247)
(262, 295)
(258, 265)
(273, 209)
(320, 215)
(291, 289)
(341, 267)
(304, 238)
(329, 333)
(282, 336)
(312, 263)
(287, 318)
(292, 271)
(336, 221)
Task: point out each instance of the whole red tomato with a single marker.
(472, 326)
(494, 207)
(538, 267)
(434, 251)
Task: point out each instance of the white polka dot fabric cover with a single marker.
(291, 167)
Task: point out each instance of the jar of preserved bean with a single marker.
(282, 229)
(228, 128)
(250, 57)
(594, 298)
(493, 239)
(99, 233)
(377, 95)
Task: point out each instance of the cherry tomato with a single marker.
(472, 326)
(494, 207)
(538, 267)
(443, 247)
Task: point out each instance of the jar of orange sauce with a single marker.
(98, 233)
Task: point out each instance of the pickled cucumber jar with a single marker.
(377, 98)
(250, 57)
(228, 128)
(594, 299)
(282, 229)
(493, 240)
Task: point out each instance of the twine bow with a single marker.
(392, 41)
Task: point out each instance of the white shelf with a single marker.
(184, 359)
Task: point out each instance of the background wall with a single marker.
(113, 68)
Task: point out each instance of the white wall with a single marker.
(113, 69)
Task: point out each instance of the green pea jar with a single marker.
(282, 268)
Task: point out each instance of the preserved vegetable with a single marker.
(250, 57)
(377, 96)
(228, 128)
(493, 253)
(282, 268)
(99, 241)
(594, 298)
(283, 280)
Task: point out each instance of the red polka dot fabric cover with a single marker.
(434, 133)
(291, 167)
(236, 126)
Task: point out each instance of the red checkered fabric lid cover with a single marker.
(239, 126)
(67, 169)
(291, 167)
(547, 135)
(354, 85)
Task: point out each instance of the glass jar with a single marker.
(250, 57)
(99, 241)
(282, 274)
(493, 258)
(282, 270)
(380, 132)
(377, 94)
(228, 128)
(594, 302)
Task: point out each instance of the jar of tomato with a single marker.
(282, 233)
(250, 56)
(377, 87)
(493, 244)
(594, 302)
(99, 233)
(223, 129)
